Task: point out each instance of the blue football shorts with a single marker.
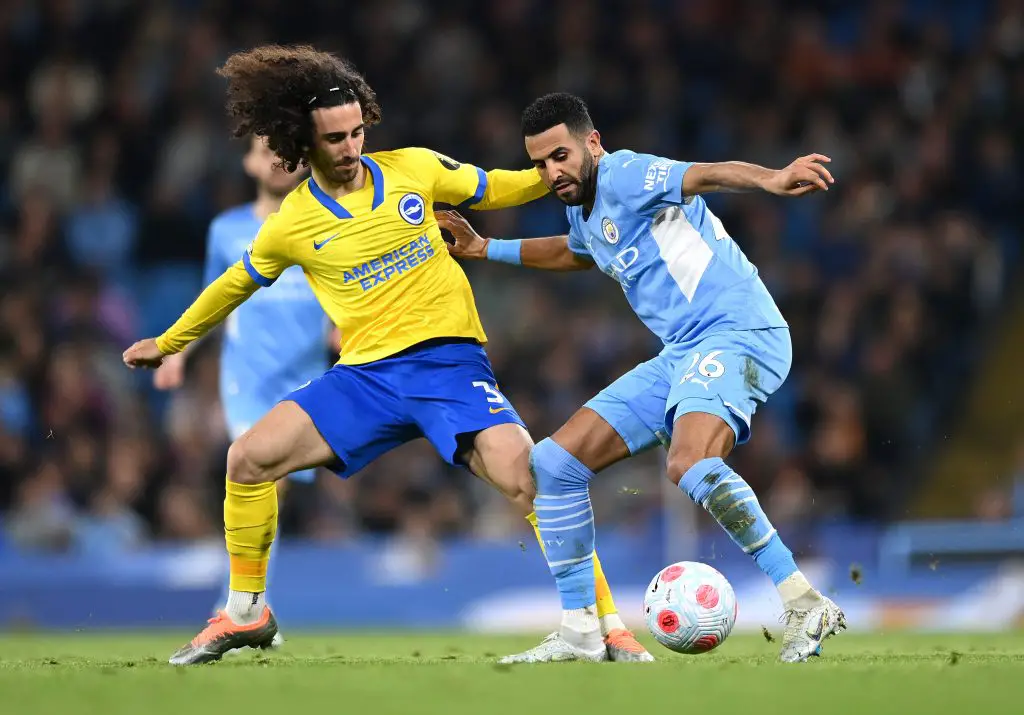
(444, 391)
(727, 374)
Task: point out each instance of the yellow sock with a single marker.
(605, 602)
(250, 524)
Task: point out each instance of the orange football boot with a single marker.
(222, 635)
(623, 647)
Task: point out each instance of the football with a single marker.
(690, 607)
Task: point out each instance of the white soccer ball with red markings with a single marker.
(690, 607)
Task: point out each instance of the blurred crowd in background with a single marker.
(114, 157)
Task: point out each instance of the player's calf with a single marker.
(566, 523)
(283, 441)
(500, 456)
(732, 502)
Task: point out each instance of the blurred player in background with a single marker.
(412, 363)
(641, 220)
(276, 341)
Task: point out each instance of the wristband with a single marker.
(505, 251)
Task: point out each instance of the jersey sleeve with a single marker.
(468, 186)
(646, 183)
(229, 290)
(449, 181)
(267, 256)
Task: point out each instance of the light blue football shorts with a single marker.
(727, 374)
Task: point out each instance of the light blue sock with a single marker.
(731, 501)
(566, 521)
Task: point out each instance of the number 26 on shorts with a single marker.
(707, 367)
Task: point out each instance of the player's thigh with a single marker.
(282, 441)
(717, 386)
(591, 439)
(500, 456)
(454, 398)
(624, 419)
(358, 413)
(240, 419)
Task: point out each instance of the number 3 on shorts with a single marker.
(709, 368)
(493, 396)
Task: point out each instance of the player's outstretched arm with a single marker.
(214, 304)
(503, 189)
(549, 254)
(468, 186)
(806, 175)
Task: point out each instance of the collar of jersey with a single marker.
(329, 203)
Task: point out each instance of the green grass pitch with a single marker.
(455, 673)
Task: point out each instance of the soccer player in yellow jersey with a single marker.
(412, 363)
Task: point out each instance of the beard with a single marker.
(344, 174)
(585, 186)
(333, 171)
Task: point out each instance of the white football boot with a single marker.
(806, 629)
(555, 649)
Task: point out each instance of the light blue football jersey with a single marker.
(681, 272)
(272, 343)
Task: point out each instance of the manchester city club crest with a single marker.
(610, 230)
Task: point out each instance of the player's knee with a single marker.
(698, 436)
(517, 486)
(556, 470)
(542, 460)
(523, 499)
(682, 458)
(247, 466)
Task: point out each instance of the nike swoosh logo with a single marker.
(816, 633)
(496, 410)
(318, 246)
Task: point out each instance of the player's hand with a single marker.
(144, 353)
(468, 243)
(171, 374)
(806, 175)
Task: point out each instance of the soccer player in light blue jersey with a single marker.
(640, 219)
(277, 340)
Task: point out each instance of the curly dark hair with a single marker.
(273, 89)
(554, 109)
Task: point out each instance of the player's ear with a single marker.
(594, 142)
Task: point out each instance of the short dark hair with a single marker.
(273, 89)
(554, 109)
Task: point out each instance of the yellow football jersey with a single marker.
(375, 258)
